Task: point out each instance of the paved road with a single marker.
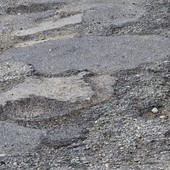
(97, 54)
(84, 84)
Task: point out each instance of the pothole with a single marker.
(155, 21)
(50, 25)
(50, 101)
(50, 29)
(37, 109)
(40, 99)
(72, 89)
(139, 90)
(38, 112)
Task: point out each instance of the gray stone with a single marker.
(17, 139)
(155, 110)
(64, 136)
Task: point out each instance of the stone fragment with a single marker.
(162, 117)
(16, 139)
(155, 110)
(64, 136)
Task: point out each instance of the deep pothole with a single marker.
(46, 101)
(138, 91)
(35, 103)
(42, 112)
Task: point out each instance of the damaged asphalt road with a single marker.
(85, 85)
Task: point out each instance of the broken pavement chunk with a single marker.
(64, 136)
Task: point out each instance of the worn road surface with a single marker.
(84, 84)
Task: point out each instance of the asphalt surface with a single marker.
(97, 54)
(84, 84)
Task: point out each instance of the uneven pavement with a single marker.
(85, 84)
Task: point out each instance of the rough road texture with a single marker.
(85, 84)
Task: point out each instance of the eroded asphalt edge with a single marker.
(131, 88)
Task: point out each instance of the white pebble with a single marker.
(15, 163)
(88, 98)
(107, 165)
(162, 117)
(2, 155)
(155, 110)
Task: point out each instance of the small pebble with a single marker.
(162, 117)
(15, 163)
(107, 165)
(155, 110)
(2, 155)
(88, 98)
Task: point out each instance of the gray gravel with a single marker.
(84, 85)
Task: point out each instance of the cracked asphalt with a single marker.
(85, 85)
